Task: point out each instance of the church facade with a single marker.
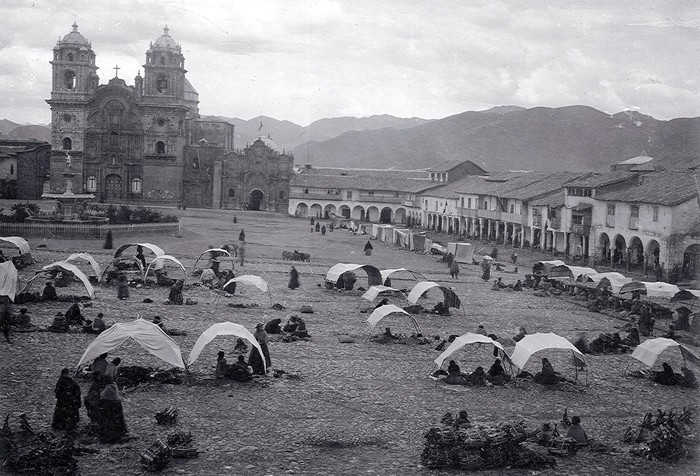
(146, 142)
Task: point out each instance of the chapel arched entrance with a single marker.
(113, 187)
(256, 200)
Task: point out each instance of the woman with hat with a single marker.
(255, 360)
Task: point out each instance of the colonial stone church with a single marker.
(146, 143)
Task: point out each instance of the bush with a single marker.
(125, 215)
(20, 212)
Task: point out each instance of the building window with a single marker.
(512, 208)
(348, 195)
(486, 205)
(655, 211)
(92, 184)
(462, 202)
(70, 57)
(113, 139)
(136, 185)
(114, 117)
(160, 147)
(469, 202)
(195, 163)
(306, 190)
(281, 195)
(371, 193)
(161, 83)
(162, 60)
(231, 193)
(67, 143)
(611, 209)
(577, 219)
(12, 169)
(70, 80)
(634, 211)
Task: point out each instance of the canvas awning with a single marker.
(386, 273)
(215, 252)
(222, 329)
(462, 252)
(8, 280)
(451, 299)
(63, 266)
(250, 279)
(19, 242)
(374, 291)
(86, 257)
(383, 311)
(374, 276)
(532, 343)
(146, 334)
(649, 351)
(158, 262)
(547, 266)
(596, 277)
(658, 289)
(577, 271)
(466, 339)
(156, 250)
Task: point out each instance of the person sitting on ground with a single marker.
(208, 277)
(477, 378)
(301, 330)
(100, 364)
(495, 286)
(518, 286)
(521, 333)
(688, 380)
(73, 315)
(175, 296)
(462, 420)
(547, 376)
(632, 338)
(221, 365)
(241, 347)
(577, 432)
(241, 371)
(453, 368)
(481, 329)
(273, 326)
(98, 324)
(381, 303)
(496, 369)
(671, 334)
(387, 333)
(49, 293)
(291, 325)
(666, 376)
(162, 278)
(59, 324)
(22, 319)
(112, 368)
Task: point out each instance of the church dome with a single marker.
(268, 142)
(165, 40)
(75, 37)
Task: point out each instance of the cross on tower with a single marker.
(116, 71)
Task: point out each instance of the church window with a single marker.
(82, 57)
(114, 117)
(281, 195)
(92, 184)
(67, 143)
(136, 185)
(113, 139)
(70, 80)
(12, 169)
(195, 163)
(231, 193)
(161, 83)
(162, 60)
(306, 190)
(160, 147)
(70, 57)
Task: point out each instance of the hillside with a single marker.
(30, 131)
(576, 138)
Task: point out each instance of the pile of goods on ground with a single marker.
(159, 455)
(480, 447)
(167, 416)
(669, 436)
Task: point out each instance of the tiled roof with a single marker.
(552, 200)
(594, 180)
(452, 189)
(488, 185)
(446, 166)
(663, 188)
(536, 184)
(393, 181)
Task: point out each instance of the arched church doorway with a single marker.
(194, 196)
(113, 187)
(256, 199)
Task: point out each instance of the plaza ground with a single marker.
(356, 408)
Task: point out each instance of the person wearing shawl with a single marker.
(293, 278)
(67, 392)
(486, 267)
(92, 399)
(73, 314)
(255, 360)
(175, 296)
(140, 256)
(49, 293)
(112, 425)
(368, 248)
(547, 376)
(122, 286)
(454, 269)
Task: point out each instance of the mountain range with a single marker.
(575, 138)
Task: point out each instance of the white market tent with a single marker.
(577, 271)
(658, 289)
(386, 273)
(686, 295)
(383, 311)
(596, 277)
(468, 339)
(649, 351)
(160, 260)
(386, 234)
(214, 252)
(547, 266)
(374, 276)
(8, 280)
(156, 250)
(462, 252)
(532, 343)
(451, 299)
(222, 329)
(23, 246)
(251, 280)
(63, 266)
(374, 291)
(86, 257)
(401, 237)
(146, 334)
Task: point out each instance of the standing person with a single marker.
(67, 392)
(140, 256)
(241, 236)
(368, 248)
(323, 230)
(454, 269)
(293, 278)
(122, 286)
(112, 425)
(318, 226)
(486, 267)
(255, 360)
(241, 251)
(92, 399)
(6, 320)
(175, 296)
(100, 364)
(112, 369)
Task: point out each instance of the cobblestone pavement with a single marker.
(357, 408)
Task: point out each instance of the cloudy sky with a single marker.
(302, 60)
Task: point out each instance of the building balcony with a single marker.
(364, 197)
(512, 218)
(610, 221)
(467, 212)
(634, 223)
(537, 220)
(581, 229)
(490, 214)
(411, 203)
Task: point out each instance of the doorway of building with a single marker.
(113, 187)
(194, 197)
(256, 198)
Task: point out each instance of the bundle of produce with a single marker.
(157, 456)
(668, 436)
(38, 453)
(180, 444)
(167, 416)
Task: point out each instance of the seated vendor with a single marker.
(291, 325)
(241, 371)
(273, 326)
(496, 369)
(301, 331)
(22, 319)
(96, 326)
(462, 420)
(159, 322)
(221, 365)
(453, 368)
(577, 432)
(208, 277)
(59, 324)
(518, 286)
(73, 314)
(521, 333)
(49, 293)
